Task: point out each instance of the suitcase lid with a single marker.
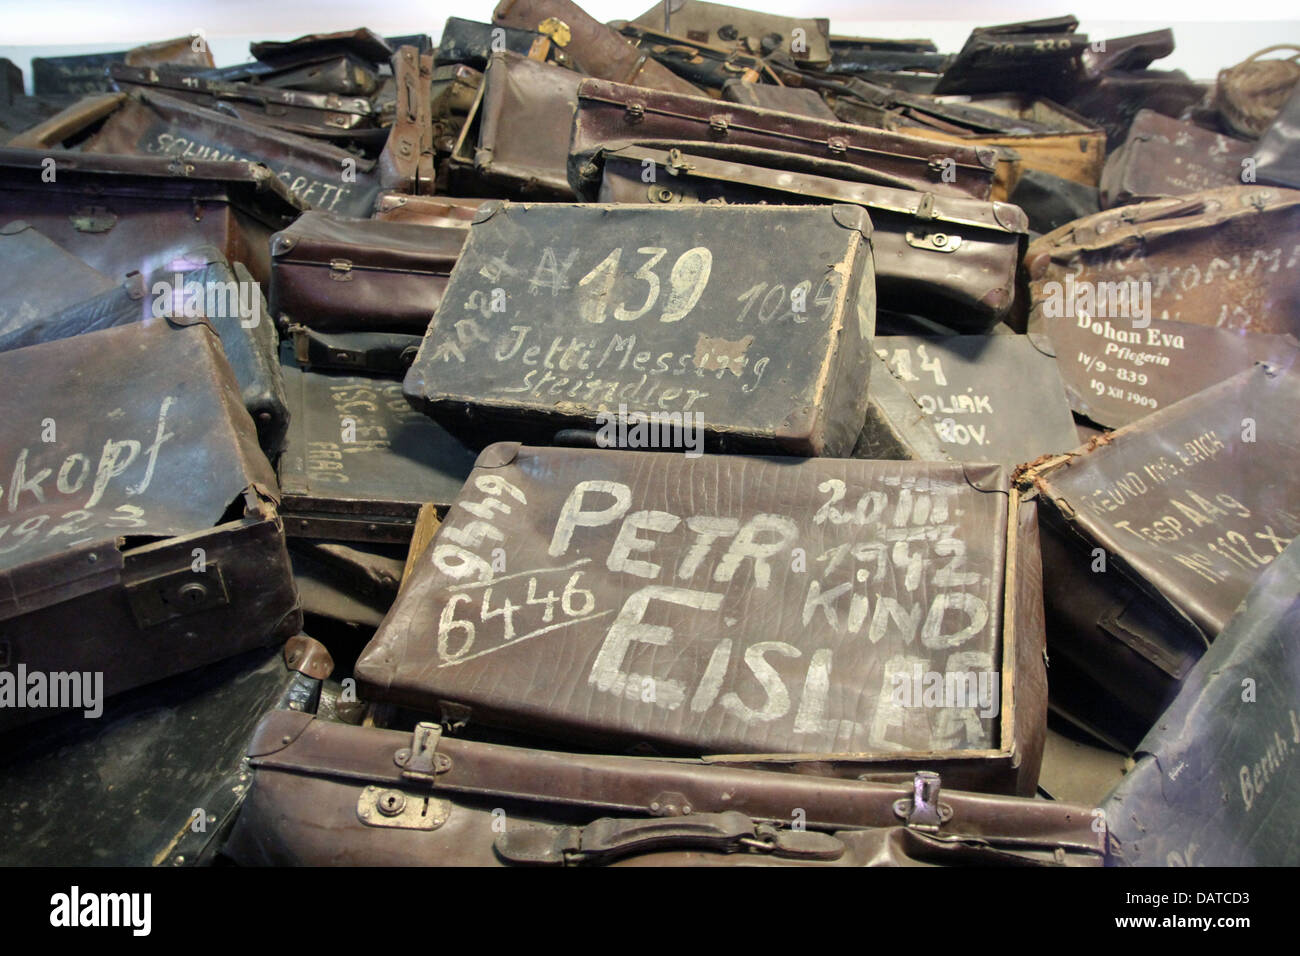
(151, 441)
(1193, 501)
(187, 85)
(40, 276)
(359, 42)
(319, 239)
(639, 597)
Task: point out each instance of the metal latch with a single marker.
(836, 145)
(634, 110)
(421, 761)
(386, 807)
(922, 810)
(934, 241)
(718, 123)
(173, 594)
(341, 270)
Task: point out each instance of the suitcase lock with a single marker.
(386, 807)
(341, 270)
(174, 594)
(934, 241)
(922, 810)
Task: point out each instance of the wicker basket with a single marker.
(1249, 94)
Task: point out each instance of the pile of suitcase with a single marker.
(701, 439)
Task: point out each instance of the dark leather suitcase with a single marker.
(613, 114)
(1222, 258)
(589, 45)
(1039, 56)
(1114, 382)
(345, 75)
(862, 55)
(198, 285)
(1049, 202)
(759, 33)
(1164, 157)
(447, 211)
(361, 275)
(39, 277)
(1277, 156)
(1114, 98)
(67, 127)
(88, 73)
(945, 257)
(406, 163)
(1214, 781)
(313, 47)
(867, 580)
(126, 213)
(422, 798)
(378, 353)
(142, 541)
(1153, 534)
(785, 99)
(473, 43)
(1134, 52)
(159, 777)
(359, 461)
(965, 398)
(516, 139)
(345, 588)
(706, 67)
(686, 319)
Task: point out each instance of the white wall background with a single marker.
(1206, 42)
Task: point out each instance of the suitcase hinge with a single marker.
(341, 270)
(922, 810)
(421, 761)
(836, 145)
(718, 123)
(386, 807)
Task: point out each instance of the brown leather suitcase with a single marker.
(314, 47)
(944, 257)
(589, 45)
(1164, 157)
(471, 43)
(612, 114)
(1033, 56)
(69, 125)
(705, 66)
(557, 313)
(127, 213)
(736, 27)
(864, 581)
(1114, 98)
(448, 211)
(1153, 534)
(784, 99)
(335, 274)
(516, 139)
(1222, 257)
(423, 798)
(965, 398)
(141, 537)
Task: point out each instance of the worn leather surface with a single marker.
(1167, 157)
(1277, 156)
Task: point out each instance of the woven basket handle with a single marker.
(1270, 49)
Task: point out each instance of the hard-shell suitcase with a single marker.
(314, 47)
(1039, 56)
(363, 275)
(344, 75)
(39, 277)
(345, 587)
(426, 210)
(88, 73)
(359, 461)
(517, 136)
(797, 626)
(784, 99)
(1167, 157)
(422, 798)
(613, 114)
(707, 67)
(589, 45)
(1154, 533)
(1049, 202)
(967, 398)
(1277, 155)
(198, 285)
(127, 213)
(805, 40)
(1134, 52)
(1215, 779)
(378, 353)
(557, 314)
(141, 538)
(946, 257)
(473, 43)
(158, 778)
(863, 56)
(1114, 380)
(1114, 98)
(1221, 257)
(67, 127)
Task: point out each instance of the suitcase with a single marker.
(455, 90)
(363, 275)
(1166, 157)
(1049, 202)
(854, 560)
(516, 139)
(1039, 56)
(359, 461)
(1218, 258)
(1153, 534)
(863, 56)
(316, 173)
(946, 257)
(1114, 98)
(158, 779)
(65, 128)
(171, 555)
(39, 277)
(784, 99)
(198, 285)
(1134, 52)
(345, 75)
(127, 213)
(473, 43)
(1277, 156)
(345, 588)
(511, 353)
(422, 798)
(1214, 781)
(611, 114)
(406, 162)
(73, 75)
(589, 46)
(447, 211)
(968, 398)
(759, 33)
(378, 353)
(312, 48)
(181, 51)
(706, 67)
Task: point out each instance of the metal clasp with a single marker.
(635, 111)
(922, 810)
(341, 270)
(421, 761)
(934, 241)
